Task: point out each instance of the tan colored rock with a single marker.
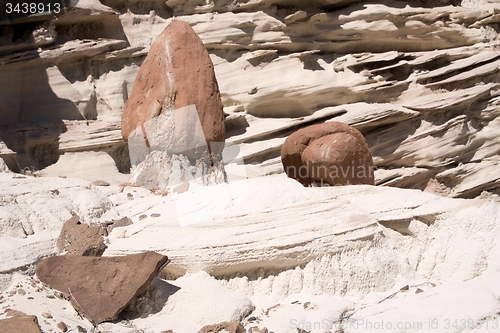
(100, 183)
(100, 288)
(177, 72)
(78, 238)
(232, 327)
(19, 322)
(333, 152)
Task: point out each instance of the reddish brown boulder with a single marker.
(20, 322)
(333, 152)
(80, 239)
(99, 288)
(176, 73)
(232, 327)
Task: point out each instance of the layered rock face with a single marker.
(332, 153)
(100, 288)
(19, 322)
(419, 79)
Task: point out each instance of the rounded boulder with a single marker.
(333, 153)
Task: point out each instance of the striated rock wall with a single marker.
(419, 79)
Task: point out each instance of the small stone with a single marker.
(264, 330)
(100, 183)
(62, 326)
(21, 292)
(130, 196)
(38, 290)
(31, 297)
(418, 291)
(47, 315)
(169, 331)
(155, 215)
(81, 329)
(12, 292)
(50, 296)
(306, 305)
(405, 288)
(252, 319)
(142, 217)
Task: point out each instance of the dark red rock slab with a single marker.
(176, 73)
(99, 288)
(80, 239)
(20, 322)
(232, 327)
(333, 152)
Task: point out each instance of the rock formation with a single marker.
(284, 249)
(80, 239)
(403, 73)
(332, 153)
(19, 322)
(418, 78)
(123, 222)
(100, 288)
(175, 106)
